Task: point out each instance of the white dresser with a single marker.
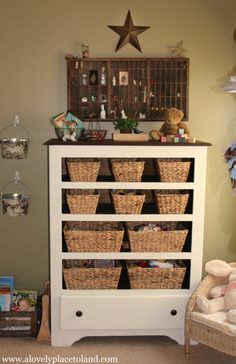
(123, 311)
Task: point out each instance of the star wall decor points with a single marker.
(177, 50)
(128, 33)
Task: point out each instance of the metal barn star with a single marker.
(128, 33)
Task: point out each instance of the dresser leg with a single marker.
(65, 339)
(177, 335)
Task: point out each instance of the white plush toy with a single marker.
(69, 134)
(67, 128)
(223, 297)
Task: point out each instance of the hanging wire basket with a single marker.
(14, 146)
(95, 132)
(15, 197)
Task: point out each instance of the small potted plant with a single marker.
(125, 125)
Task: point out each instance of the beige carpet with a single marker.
(130, 350)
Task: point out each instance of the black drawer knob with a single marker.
(173, 312)
(79, 313)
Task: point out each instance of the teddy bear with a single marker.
(222, 297)
(171, 125)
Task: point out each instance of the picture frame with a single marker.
(85, 112)
(103, 98)
(123, 78)
(93, 77)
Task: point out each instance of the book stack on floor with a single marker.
(17, 309)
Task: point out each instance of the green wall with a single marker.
(34, 38)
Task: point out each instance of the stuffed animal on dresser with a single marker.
(172, 124)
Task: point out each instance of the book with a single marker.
(23, 300)
(7, 281)
(5, 298)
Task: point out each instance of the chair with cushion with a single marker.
(212, 329)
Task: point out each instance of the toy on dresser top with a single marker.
(173, 129)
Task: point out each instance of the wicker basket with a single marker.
(77, 277)
(82, 201)
(171, 202)
(156, 278)
(83, 170)
(171, 240)
(173, 170)
(127, 204)
(93, 236)
(127, 170)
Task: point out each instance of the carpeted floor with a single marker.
(122, 350)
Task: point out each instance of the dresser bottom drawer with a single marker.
(122, 312)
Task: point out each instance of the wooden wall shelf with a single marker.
(143, 86)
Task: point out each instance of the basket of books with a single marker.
(18, 314)
(93, 236)
(173, 169)
(127, 170)
(127, 202)
(171, 201)
(67, 126)
(82, 201)
(156, 237)
(153, 274)
(91, 274)
(83, 169)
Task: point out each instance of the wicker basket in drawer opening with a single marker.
(93, 236)
(77, 276)
(171, 240)
(173, 170)
(82, 201)
(171, 201)
(156, 278)
(127, 204)
(83, 169)
(127, 170)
